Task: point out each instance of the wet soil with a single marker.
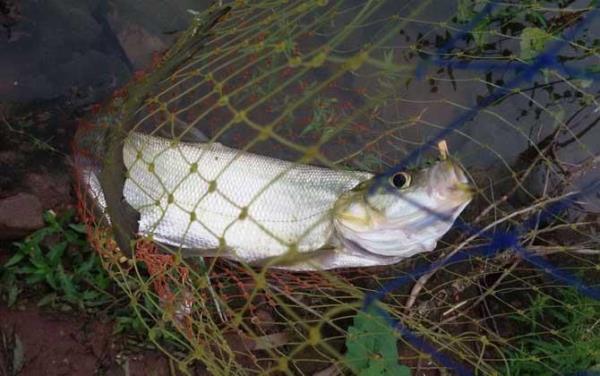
(36, 342)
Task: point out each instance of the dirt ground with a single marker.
(34, 342)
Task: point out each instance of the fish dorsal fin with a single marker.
(179, 129)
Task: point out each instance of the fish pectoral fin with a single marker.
(193, 252)
(182, 131)
(289, 260)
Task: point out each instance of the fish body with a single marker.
(207, 199)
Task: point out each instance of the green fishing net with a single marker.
(370, 86)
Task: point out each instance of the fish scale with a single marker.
(285, 203)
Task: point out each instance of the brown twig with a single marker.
(423, 279)
(539, 150)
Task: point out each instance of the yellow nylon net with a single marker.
(362, 85)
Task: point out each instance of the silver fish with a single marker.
(208, 199)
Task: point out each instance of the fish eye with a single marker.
(400, 180)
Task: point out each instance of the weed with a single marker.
(571, 345)
(11, 351)
(322, 117)
(58, 261)
(129, 323)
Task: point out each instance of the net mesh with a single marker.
(371, 86)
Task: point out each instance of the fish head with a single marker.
(404, 213)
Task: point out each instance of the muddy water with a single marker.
(79, 52)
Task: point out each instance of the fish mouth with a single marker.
(461, 188)
(452, 176)
(466, 190)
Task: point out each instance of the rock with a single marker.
(9, 15)
(53, 191)
(584, 178)
(144, 28)
(9, 157)
(60, 49)
(139, 45)
(20, 215)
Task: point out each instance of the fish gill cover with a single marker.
(373, 86)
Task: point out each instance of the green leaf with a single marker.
(372, 346)
(539, 17)
(533, 42)
(26, 270)
(36, 256)
(593, 68)
(17, 257)
(47, 299)
(480, 33)
(56, 252)
(51, 280)
(86, 266)
(464, 12)
(90, 295)
(67, 284)
(41, 266)
(13, 293)
(102, 281)
(78, 227)
(34, 278)
(561, 316)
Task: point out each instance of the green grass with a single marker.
(571, 345)
(57, 265)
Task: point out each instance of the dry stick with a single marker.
(496, 283)
(556, 249)
(43, 144)
(577, 171)
(543, 250)
(506, 272)
(212, 292)
(421, 281)
(332, 370)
